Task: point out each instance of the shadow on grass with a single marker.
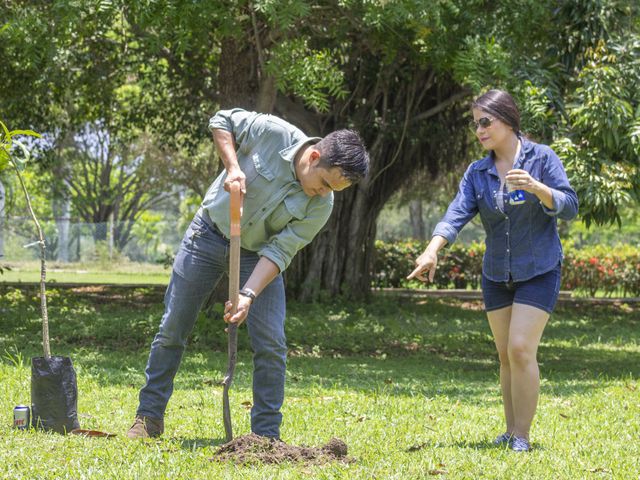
(568, 371)
(197, 443)
(487, 445)
(425, 348)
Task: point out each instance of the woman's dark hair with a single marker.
(501, 105)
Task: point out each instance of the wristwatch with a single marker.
(247, 292)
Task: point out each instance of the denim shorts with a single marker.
(540, 292)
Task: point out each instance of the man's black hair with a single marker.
(345, 149)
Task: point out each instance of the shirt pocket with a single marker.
(481, 201)
(285, 212)
(488, 204)
(254, 169)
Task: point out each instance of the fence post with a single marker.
(111, 235)
(62, 213)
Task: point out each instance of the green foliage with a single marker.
(480, 62)
(308, 74)
(604, 112)
(576, 80)
(106, 257)
(602, 186)
(147, 231)
(283, 14)
(14, 153)
(629, 232)
(541, 103)
(7, 145)
(401, 72)
(38, 185)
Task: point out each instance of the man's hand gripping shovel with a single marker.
(234, 287)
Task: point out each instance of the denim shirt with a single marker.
(522, 242)
(278, 218)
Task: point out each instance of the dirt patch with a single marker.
(256, 449)
(476, 306)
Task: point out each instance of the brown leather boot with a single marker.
(146, 427)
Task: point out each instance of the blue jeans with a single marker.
(201, 260)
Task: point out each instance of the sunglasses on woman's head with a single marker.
(484, 122)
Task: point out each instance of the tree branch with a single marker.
(441, 106)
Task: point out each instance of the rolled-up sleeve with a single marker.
(243, 125)
(282, 247)
(565, 199)
(461, 210)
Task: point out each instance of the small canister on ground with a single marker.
(21, 417)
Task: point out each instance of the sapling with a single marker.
(7, 158)
(54, 389)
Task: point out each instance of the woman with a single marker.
(519, 189)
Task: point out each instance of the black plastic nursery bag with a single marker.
(54, 394)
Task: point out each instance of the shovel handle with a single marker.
(234, 287)
(234, 253)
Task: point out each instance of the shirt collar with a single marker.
(289, 154)
(487, 162)
(527, 146)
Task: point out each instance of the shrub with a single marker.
(586, 271)
(611, 270)
(458, 267)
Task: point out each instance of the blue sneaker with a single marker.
(506, 437)
(519, 444)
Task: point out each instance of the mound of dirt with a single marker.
(256, 449)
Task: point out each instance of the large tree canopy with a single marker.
(400, 72)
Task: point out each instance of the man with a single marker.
(288, 181)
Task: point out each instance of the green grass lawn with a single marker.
(410, 386)
(118, 273)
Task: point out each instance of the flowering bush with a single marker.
(610, 270)
(458, 267)
(586, 271)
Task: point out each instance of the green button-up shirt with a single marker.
(278, 218)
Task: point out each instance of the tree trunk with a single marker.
(237, 78)
(417, 221)
(338, 260)
(267, 95)
(410, 122)
(62, 213)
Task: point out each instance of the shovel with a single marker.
(234, 287)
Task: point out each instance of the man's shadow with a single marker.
(486, 445)
(197, 443)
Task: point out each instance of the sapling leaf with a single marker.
(6, 138)
(4, 159)
(31, 133)
(21, 162)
